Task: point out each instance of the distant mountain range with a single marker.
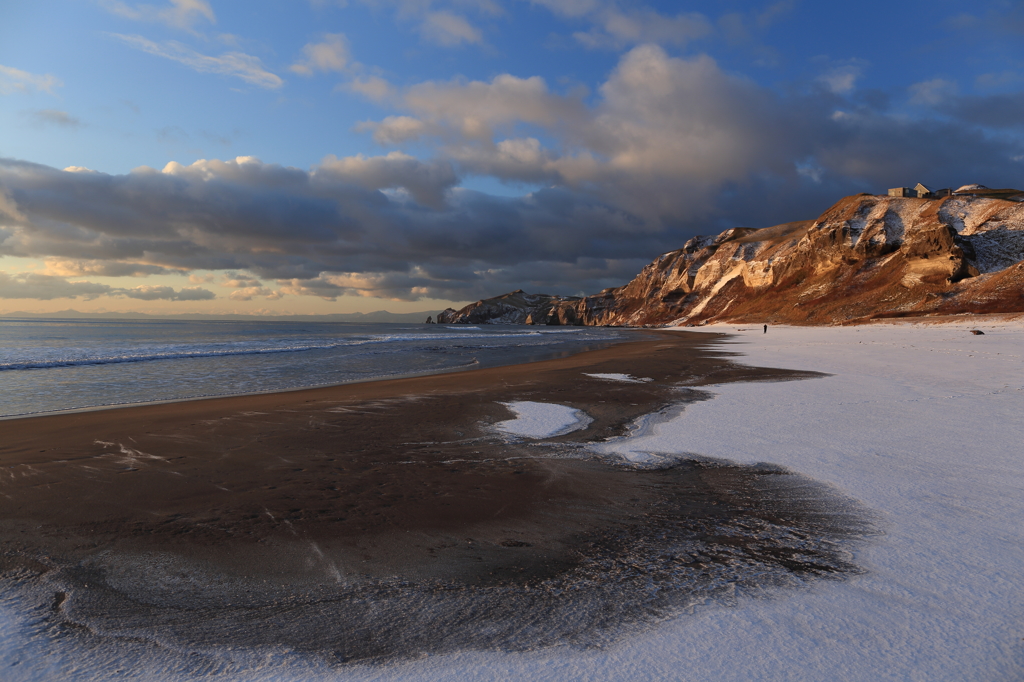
(374, 317)
(868, 256)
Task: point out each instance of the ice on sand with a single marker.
(629, 379)
(542, 420)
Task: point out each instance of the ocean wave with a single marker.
(117, 356)
(49, 363)
(385, 338)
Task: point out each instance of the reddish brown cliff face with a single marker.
(867, 256)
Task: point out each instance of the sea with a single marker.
(53, 365)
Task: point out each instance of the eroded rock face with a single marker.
(866, 256)
(516, 307)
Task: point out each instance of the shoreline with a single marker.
(467, 367)
(171, 401)
(723, 328)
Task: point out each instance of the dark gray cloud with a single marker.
(1001, 16)
(165, 293)
(1005, 111)
(285, 224)
(55, 117)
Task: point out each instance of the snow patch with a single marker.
(542, 420)
(628, 378)
(997, 249)
(894, 227)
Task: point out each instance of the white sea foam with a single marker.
(542, 420)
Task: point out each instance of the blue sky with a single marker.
(204, 156)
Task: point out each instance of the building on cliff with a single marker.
(920, 191)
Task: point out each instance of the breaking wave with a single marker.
(115, 356)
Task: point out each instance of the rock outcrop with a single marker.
(517, 307)
(867, 256)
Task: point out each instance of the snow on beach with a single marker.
(922, 423)
(541, 420)
(626, 378)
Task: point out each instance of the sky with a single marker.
(334, 156)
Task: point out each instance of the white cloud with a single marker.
(842, 79)
(476, 107)
(394, 129)
(183, 14)
(237, 64)
(246, 287)
(932, 92)
(42, 287)
(570, 8)
(660, 121)
(616, 29)
(15, 80)
(249, 293)
(662, 138)
(438, 23)
(69, 267)
(47, 287)
(332, 54)
(520, 159)
(372, 87)
(810, 169)
(773, 12)
(449, 30)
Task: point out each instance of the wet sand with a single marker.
(382, 519)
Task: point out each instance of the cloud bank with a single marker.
(47, 287)
(664, 149)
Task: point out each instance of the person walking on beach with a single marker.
(766, 329)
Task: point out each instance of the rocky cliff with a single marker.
(517, 307)
(867, 256)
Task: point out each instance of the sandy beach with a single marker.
(377, 521)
